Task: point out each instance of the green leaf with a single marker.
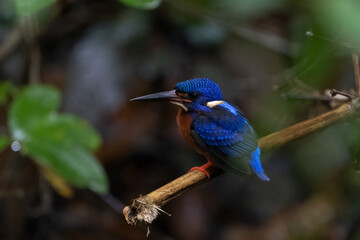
(340, 18)
(142, 4)
(31, 105)
(60, 142)
(27, 7)
(4, 142)
(69, 161)
(65, 127)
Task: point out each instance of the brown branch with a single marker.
(356, 72)
(330, 97)
(302, 129)
(146, 208)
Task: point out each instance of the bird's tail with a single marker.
(256, 165)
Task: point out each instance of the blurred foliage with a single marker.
(142, 4)
(6, 89)
(59, 142)
(27, 7)
(4, 142)
(340, 19)
(63, 143)
(100, 53)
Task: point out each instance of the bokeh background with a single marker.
(274, 59)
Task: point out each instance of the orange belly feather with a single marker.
(184, 120)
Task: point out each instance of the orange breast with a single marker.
(184, 120)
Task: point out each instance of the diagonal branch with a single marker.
(10, 42)
(146, 208)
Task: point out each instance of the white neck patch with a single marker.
(181, 105)
(214, 103)
(224, 104)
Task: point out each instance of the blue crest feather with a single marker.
(209, 89)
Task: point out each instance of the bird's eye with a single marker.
(193, 95)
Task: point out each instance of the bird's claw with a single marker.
(202, 169)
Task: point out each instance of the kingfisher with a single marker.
(214, 128)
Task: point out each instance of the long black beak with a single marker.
(169, 96)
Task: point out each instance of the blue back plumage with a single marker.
(221, 127)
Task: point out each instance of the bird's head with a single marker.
(192, 95)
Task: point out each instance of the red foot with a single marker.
(203, 169)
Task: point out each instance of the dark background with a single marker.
(101, 53)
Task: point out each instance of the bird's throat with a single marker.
(180, 104)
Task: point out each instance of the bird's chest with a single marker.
(184, 120)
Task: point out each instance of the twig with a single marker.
(113, 202)
(27, 28)
(10, 42)
(31, 31)
(35, 63)
(354, 57)
(147, 208)
(337, 42)
(356, 72)
(311, 97)
(138, 211)
(336, 92)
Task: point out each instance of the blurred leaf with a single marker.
(314, 63)
(143, 4)
(61, 142)
(26, 7)
(341, 18)
(5, 90)
(69, 161)
(315, 58)
(4, 142)
(65, 126)
(32, 105)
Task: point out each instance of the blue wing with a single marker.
(230, 141)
